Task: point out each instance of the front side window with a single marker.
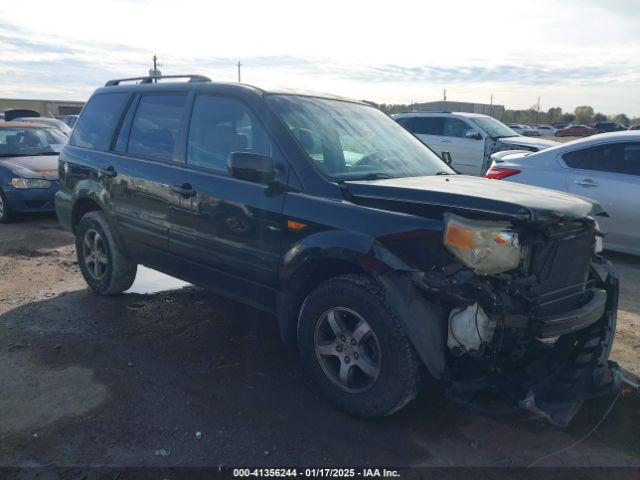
(349, 141)
(220, 126)
(621, 158)
(156, 125)
(98, 121)
(454, 127)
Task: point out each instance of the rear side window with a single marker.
(428, 125)
(99, 121)
(219, 126)
(156, 125)
(614, 158)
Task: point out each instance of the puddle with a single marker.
(152, 281)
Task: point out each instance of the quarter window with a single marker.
(156, 125)
(219, 126)
(98, 121)
(613, 157)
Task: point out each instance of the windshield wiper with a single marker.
(442, 172)
(373, 176)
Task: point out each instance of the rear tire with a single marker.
(103, 266)
(354, 348)
(5, 212)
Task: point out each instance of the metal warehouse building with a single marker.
(495, 111)
(46, 108)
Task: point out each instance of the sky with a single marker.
(567, 52)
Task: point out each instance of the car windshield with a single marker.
(493, 127)
(20, 141)
(350, 141)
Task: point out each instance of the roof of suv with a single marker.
(201, 83)
(431, 114)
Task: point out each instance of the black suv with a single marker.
(382, 264)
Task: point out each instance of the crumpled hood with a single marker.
(522, 141)
(482, 195)
(37, 166)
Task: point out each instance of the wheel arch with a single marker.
(315, 260)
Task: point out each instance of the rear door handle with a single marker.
(587, 182)
(185, 190)
(444, 140)
(109, 171)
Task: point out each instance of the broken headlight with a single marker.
(486, 247)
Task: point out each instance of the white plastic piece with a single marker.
(469, 327)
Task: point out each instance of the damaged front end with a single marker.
(530, 331)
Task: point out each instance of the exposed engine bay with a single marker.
(537, 337)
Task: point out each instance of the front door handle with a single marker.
(185, 190)
(587, 182)
(109, 171)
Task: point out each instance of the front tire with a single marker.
(103, 266)
(353, 346)
(5, 213)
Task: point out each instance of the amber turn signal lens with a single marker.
(292, 225)
(459, 237)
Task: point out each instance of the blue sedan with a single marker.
(28, 168)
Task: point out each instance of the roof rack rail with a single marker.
(150, 79)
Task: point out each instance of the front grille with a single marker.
(561, 264)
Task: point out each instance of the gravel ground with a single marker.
(185, 378)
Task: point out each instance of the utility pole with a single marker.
(155, 73)
(444, 98)
(239, 77)
(491, 104)
(538, 112)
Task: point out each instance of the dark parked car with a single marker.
(28, 168)
(575, 131)
(378, 261)
(603, 127)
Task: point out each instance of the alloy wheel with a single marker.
(347, 349)
(94, 254)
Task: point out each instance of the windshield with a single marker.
(22, 141)
(493, 127)
(349, 141)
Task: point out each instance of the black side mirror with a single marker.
(252, 167)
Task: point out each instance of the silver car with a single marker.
(605, 167)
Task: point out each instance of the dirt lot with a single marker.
(131, 380)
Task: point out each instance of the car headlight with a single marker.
(30, 183)
(486, 247)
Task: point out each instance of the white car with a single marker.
(466, 140)
(524, 129)
(546, 130)
(604, 167)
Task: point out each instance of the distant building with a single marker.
(46, 108)
(495, 111)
